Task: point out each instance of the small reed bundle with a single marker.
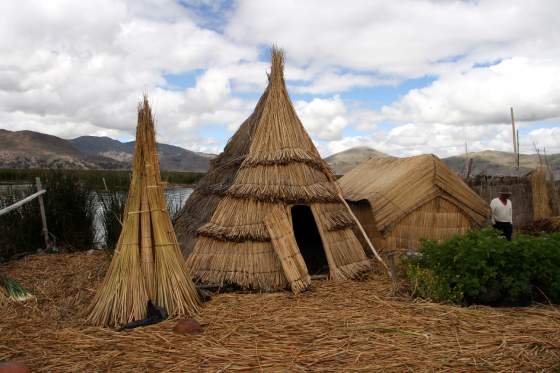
(10, 289)
(147, 264)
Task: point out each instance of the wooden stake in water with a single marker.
(43, 215)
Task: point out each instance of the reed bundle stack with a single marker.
(147, 264)
(242, 223)
(399, 201)
(545, 195)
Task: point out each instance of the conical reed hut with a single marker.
(267, 214)
(147, 264)
(399, 201)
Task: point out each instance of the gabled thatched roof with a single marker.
(397, 186)
(270, 160)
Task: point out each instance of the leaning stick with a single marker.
(339, 192)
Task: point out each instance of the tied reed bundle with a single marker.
(147, 264)
(10, 289)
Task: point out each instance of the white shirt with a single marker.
(500, 212)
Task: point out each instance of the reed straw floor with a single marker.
(347, 326)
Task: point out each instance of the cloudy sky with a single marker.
(405, 77)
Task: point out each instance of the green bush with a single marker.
(481, 267)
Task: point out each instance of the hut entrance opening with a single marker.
(309, 240)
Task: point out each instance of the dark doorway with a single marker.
(309, 240)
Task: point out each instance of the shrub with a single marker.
(481, 267)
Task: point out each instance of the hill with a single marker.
(172, 158)
(491, 162)
(346, 160)
(29, 149)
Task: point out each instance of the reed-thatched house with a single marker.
(399, 201)
(267, 214)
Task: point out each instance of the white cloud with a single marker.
(73, 68)
(543, 138)
(323, 118)
(406, 38)
(332, 82)
(484, 95)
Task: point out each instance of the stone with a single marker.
(186, 327)
(13, 367)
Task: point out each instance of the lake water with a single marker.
(175, 197)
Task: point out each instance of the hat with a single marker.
(505, 191)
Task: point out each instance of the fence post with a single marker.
(43, 215)
(393, 270)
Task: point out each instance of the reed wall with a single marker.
(438, 220)
(488, 188)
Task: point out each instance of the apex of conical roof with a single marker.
(280, 160)
(277, 64)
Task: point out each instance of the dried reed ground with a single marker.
(345, 326)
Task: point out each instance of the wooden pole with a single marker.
(5, 210)
(359, 225)
(470, 167)
(105, 184)
(331, 178)
(43, 215)
(466, 160)
(514, 137)
(393, 269)
(517, 137)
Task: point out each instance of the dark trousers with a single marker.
(505, 228)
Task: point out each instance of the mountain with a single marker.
(28, 149)
(491, 162)
(172, 158)
(346, 160)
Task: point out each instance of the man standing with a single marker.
(502, 216)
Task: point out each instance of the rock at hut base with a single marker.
(13, 367)
(186, 327)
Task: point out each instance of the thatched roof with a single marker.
(397, 186)
(270, 160)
